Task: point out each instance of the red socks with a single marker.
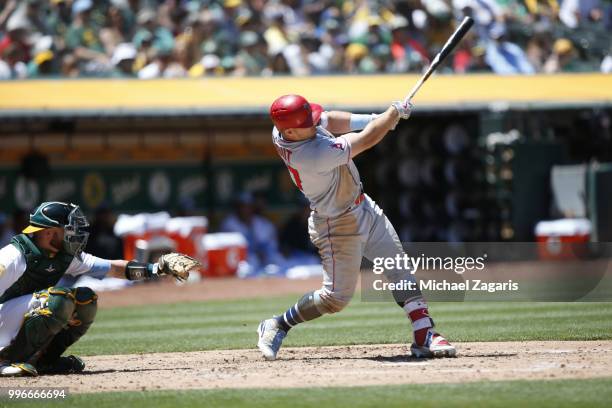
(421, 322)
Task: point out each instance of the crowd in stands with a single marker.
(193, 38)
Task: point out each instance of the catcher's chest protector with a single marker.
(41, 272)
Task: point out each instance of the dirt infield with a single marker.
(209, 289)
(333, 366)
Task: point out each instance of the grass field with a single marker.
(541, 394)
(232, 324)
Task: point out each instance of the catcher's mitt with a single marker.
(177, 265)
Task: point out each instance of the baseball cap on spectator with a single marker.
(146, 16)
(248, 39)
(44, 43)
(437, 8)
(478, 50)
(381, 50)
(228, 62)
(145, 36)
(210, 61)
(419, 18)
(374, 21)
(331, 24)
(398, 22)
(18, 21)
(123, 51)
(43, 57)
(356, 51)
(563, 46)
(367, 65)
(80, 6)
(232, 3)
(244, 16)
(120, 3)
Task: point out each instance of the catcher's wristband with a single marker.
(135, 270)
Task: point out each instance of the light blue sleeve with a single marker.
(89, 265)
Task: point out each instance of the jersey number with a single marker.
(296, 177)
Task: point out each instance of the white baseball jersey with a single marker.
(344, 225)
(322, 168)
(13, 265)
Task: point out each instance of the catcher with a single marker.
(40, 318)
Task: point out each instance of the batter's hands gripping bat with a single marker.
(452, 42)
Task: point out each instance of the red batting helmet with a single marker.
(294, 111)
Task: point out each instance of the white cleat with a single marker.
(270, 338)
(435, 346)
(18, 370)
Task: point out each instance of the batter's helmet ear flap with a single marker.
(294, 111)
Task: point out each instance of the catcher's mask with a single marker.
(76, 232)
(59, 214)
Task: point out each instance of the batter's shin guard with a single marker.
(83, 318)
(41, 325)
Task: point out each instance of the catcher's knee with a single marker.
(86, 307)
(328, 301)
(56, 302)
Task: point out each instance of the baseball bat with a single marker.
(451, 43)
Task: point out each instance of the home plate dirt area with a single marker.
(333, 366)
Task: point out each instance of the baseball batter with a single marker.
(39, 316)
(345, 224)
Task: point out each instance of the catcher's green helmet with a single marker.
(63, 215)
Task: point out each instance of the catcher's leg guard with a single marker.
(84, 315)
(55, 308)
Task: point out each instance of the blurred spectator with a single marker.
(102, 241)
(43, 65)
(8, 8)
(11, 63)
(505, 57)
(252, 57)
(83, 39)
(150, 31)
(115, 30)
(209, 65)
(59, 19)
(354, 55)
(564, 58)
(408, 54)
(538, 47)
(163, 66)
(548, 9)
(484, 12)
(176, 38)
(123, 60)
(277, 65)
(17, 30)
(259, 232)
